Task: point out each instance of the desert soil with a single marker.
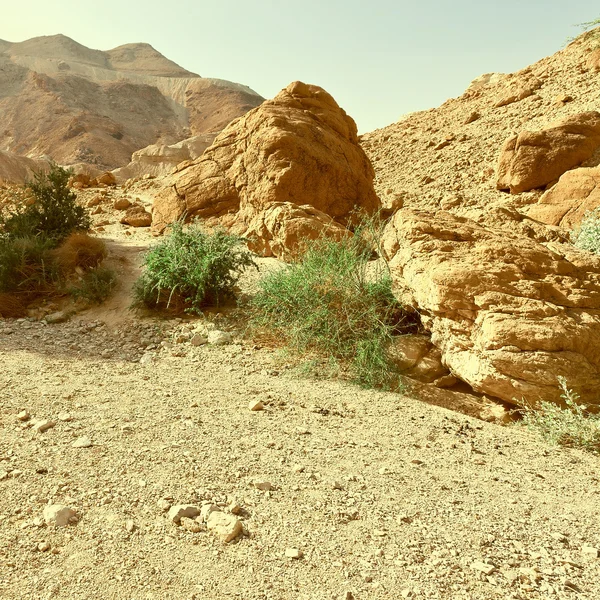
(380, 494)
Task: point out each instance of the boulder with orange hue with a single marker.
(565, 204)
(283, 229)
(300, 149)
(509, 314)
(137, 216)
(534, 159)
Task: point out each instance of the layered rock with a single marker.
(566, 203)
(159, 160)
(298, 149)
(534, 159)
(509, 314)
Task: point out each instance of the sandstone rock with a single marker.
(107, 178)
(255, 405)
(227, 527)
(283, 229)
(159, 160)
(535, 158)
(417, 358)
(219, 338)
(565, 204)
(294, 553)
(137, 216)
(299, 148)
(593, 60)
(58, 515)
(206, 511)
(44, 425)
(508, 314)
(122, 204)
(82, 442)
(518, 92)
(182, 510)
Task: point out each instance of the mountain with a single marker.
(78, 105)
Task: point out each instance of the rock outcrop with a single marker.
(565, 204)
(534, 159)
(509, 314)
(283, 229)
(159, 160)
(298, 149)
(18, 169)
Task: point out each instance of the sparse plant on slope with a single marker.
(587, 235)
(593, 36)
(95, 285)
(53, 213)
(572, 426)
(329, 303)
(191, 269)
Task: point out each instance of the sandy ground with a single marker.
(380, 494)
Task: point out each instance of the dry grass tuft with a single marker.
(79, 250)
(11, 306)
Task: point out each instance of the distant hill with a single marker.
(78, 105)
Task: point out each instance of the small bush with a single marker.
(571, 426)
(25, 265)
(329, 303)
(54, 213)
(95, 286)
(191, 269)
(587, 235)
(79, 250)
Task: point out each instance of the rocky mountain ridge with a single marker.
(79, 105)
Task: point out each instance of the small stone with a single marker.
(590, 551)
(82, 442)
(164, 504)
(348, 596)
(256, 405)
(198, 340)
(24, 415)
(57, 317)
(206, 510)
(484, 568)
(182, 510)
(234, 508)
(130, 526)
(227, 527)
(294, 553)
(65, 417)
(44, 425)
(264, 486)
(298, 469)
(43, 547)
(219, 338)
(3, 475)
(58, 515)
(38, 522)
(338, 485)
(190, 525)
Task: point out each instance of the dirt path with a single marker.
(384, 496)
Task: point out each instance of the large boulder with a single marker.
(509, 314)
(534, 159)
(565, 204)
(299, 148)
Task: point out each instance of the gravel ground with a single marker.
(377, 495)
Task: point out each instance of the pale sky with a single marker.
(380, 59)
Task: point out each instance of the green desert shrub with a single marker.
(587, 235)
(334, 302)
(25, 264)
(95, 285)
(572, 426)
(53, 213)
(191, 269)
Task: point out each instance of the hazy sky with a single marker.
(379, 58)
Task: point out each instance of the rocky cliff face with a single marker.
(77, 105)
